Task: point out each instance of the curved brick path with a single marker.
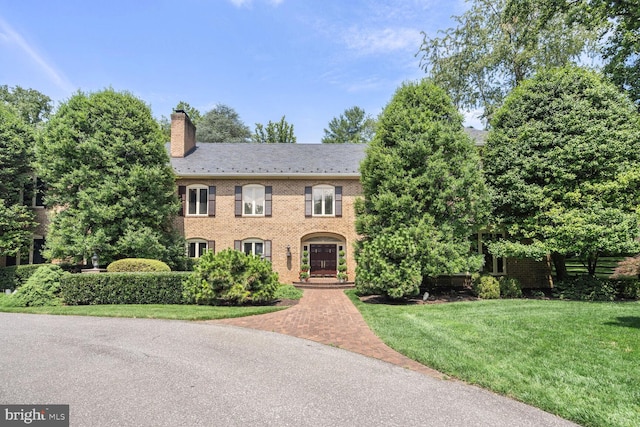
(328, 316)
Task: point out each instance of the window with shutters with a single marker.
(197, 200)
(253, 247)
(196, 248)
(323, 200)
(253, 200)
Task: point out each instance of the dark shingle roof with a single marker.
(478, 136)
(247, 159)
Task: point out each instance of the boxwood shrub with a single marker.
(137, 265)
(123, 288)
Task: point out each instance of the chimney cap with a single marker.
(180, 111)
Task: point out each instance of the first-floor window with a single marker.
(196, 248)
(253, 247)
(492, 264)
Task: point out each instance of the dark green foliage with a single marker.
(230, 277)
(123, 288)
(16, 144)
(104, 159)
(16, 275)
(485, 286)
(222, 124)
(562, 163)
(509, 287)
(424, 195)
(30, 105)
(585, 288)
(287, 292)
(352, 127)
(41, 288)
(137, 265)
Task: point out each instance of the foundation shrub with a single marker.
(231, 277)
(137, 265)
(485, 286)
(123, 288)
(585, 288)
(510, 287)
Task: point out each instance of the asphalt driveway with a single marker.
(140, 372)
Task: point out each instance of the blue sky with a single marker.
(308, 60)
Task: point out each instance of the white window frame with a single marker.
(323, 191)
(200, 202)
(198, 252)
(493, 269)
(253, 197)
(253, 245)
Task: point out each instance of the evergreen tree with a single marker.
(424, 195)
(107, 169)
(354, 126)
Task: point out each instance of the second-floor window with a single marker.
(197, 197)
(253, 200)
(323, 200)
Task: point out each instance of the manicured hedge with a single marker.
(137, 265)
(123, 288)
(16, 275)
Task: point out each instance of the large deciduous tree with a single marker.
(353, 126)
(563, 164)
(496, 45)
(108, 172)
(424, 195)
(32, 106)
(222, 124)
(16, 220)
(280, 132)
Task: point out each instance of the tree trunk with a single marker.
(559, 262)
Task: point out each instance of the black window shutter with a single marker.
(211, 244)
(238, 200)
(212, 201)
(308, 201)
(268, 190)
(182, 193)
(267, 250)
(338, 200)
(237, 245)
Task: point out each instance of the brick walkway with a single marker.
(328, 316)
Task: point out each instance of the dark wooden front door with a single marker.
(323, 260)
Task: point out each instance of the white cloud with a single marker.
(373, 41)
(9, 35)
(472, 119)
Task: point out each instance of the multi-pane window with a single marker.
(196, 248)
(253, 200)
(323, 200)
(253, 247)
(197, 197)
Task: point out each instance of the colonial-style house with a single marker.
(277, 201)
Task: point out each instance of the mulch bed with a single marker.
(441, 297)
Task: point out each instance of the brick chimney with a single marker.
(183, 134)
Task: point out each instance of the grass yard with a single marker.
(579, 360)
(604, 268)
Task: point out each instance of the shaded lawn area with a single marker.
(579, 360)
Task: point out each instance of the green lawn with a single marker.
(576, 359)
(153, 311)
(604, 268)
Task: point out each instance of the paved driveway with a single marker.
(139, 372)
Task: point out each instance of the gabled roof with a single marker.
(270, 160)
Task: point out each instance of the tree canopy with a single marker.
(222, 124)
(106, 166)
(16, 220)
(353, 126)
(496, 45)
(30, 105)
(424, 195)
(563, 164)
(280, 132)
